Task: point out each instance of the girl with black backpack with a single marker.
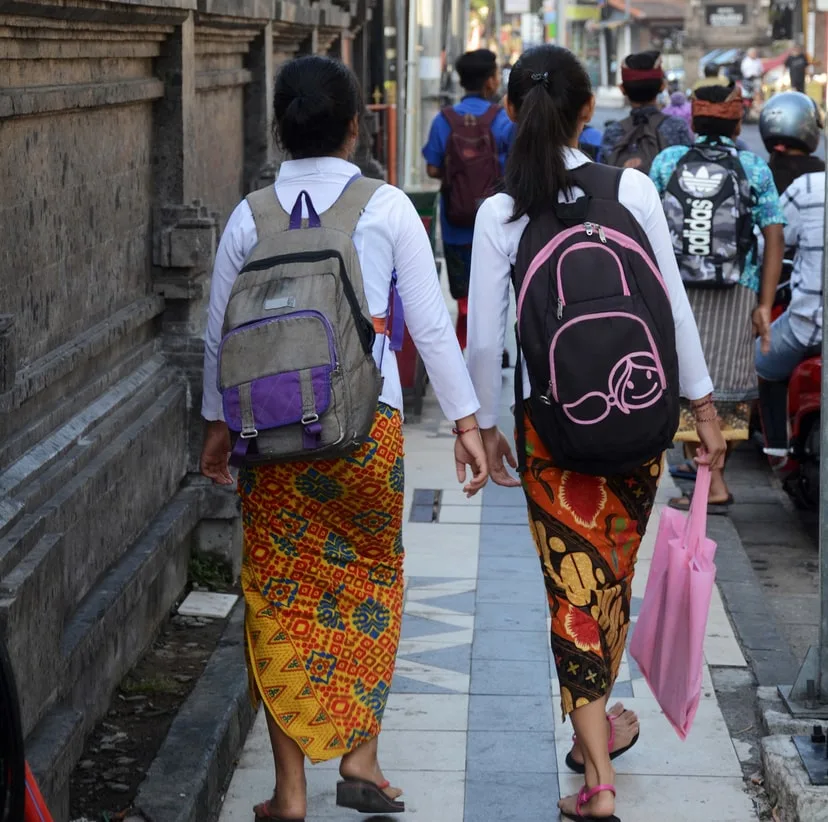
(606, 329)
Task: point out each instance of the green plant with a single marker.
(209, 571)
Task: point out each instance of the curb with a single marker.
(187, 777)
(763, 643)
(788, 785)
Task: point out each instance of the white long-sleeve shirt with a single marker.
(494, 252)
(389, 235)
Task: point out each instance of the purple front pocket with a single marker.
(277, 399)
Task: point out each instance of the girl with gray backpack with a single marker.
(609, 342)
(311, 281)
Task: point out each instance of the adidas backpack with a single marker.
(596, 329)
(296, 367)
(708, 207)
(640, 143)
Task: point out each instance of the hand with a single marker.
(469, 450)
(215, 453)
(498, 452)
(713, 445)
(762, 326)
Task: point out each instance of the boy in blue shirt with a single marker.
(480, 78)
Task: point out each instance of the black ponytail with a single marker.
(548, 88)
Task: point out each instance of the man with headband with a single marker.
(716, 199)
(635, 141)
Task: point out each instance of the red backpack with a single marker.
(471, 166)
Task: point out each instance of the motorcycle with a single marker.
(798, 468)
(751, 99)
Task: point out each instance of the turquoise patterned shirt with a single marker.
(767, 208)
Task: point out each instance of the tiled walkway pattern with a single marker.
(472, 731)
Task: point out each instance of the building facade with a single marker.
(130, 129)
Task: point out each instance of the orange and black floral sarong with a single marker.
(322, 576)
(587, 531)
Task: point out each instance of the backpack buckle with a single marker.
(249, 433)
(309, 419)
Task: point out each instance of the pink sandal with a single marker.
(578, 767)
(584, 796)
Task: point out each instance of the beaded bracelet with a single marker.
(460, 431)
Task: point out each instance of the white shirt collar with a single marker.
(574, 158)
(291, 170)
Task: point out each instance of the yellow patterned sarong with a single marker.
(322, 576)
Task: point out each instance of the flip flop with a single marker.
(714, 509)
(684, 470)
(584, 795)
(364, 796)
(578, 767)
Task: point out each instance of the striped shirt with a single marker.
(804, 205)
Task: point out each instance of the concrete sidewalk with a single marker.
(472, 731)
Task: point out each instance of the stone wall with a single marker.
(130, 129)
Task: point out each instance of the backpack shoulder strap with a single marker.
(490, 115)
(344, 214)
(599, 181)
(454, 119)
(268, 214)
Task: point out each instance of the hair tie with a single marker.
(541, 78)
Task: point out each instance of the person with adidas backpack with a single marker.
(635, 141)
(311, 280)
(716, 199)
(606, 344)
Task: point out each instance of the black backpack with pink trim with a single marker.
(596, 329)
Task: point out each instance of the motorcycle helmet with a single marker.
(791, 119)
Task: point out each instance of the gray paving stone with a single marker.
(503, 515)
(520, 616)
(425, 582)
(414, 627)
(498, 495)
(507, 541)
(421, 513)
(462, 603)
(507, 568)
(504, 678)
(511, 752)
(511, 713)
(512, 590)
(405, 685)
(457, 658)
(499, 797)
(527, 646)
(622, 690)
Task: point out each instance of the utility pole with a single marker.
(399, 13)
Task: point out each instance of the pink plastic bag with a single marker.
(668, 639)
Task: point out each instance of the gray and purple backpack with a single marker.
(595, 327)
(296, 368)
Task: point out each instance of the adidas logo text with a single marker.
(698, 228)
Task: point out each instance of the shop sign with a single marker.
(726, 16)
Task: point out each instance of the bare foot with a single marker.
(283, 807)
(356, 766)
(626, 727)
(601, 805)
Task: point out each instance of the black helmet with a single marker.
(790, 119)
